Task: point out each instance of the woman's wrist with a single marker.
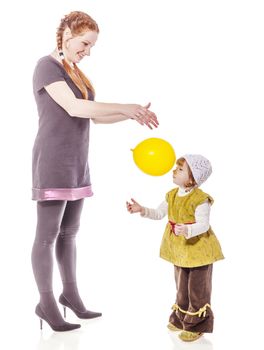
(123, 109)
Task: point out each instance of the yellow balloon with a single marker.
(154, 156)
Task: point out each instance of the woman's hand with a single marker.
(134, 207)
(141, 114)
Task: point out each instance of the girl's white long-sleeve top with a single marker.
(202, 215)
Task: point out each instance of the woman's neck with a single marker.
(55, 54)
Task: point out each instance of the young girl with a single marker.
(190, 244)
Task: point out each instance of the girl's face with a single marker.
(181, 175)
(77, 47)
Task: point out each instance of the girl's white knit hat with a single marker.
(200, 167)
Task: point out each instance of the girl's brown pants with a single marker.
(192, 311)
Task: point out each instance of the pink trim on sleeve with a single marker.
(70, 194)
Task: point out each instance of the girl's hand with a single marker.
(141, 114)
(181, 230)
(134, 207)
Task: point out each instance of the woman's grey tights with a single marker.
(58, 222)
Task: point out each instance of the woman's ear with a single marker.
(67, 33)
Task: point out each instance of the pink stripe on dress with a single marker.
(70, 194)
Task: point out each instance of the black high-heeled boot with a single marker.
(81, 314)
(61, 328)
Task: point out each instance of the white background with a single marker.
(200, 63)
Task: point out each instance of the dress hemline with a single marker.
(71, 194)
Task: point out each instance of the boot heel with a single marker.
(81, 314)
(41, 323)
(64, 311)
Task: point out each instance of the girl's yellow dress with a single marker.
(200, 250)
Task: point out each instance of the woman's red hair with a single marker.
(78, 22)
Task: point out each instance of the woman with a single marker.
(65, 102)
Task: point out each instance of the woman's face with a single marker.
(77, 47)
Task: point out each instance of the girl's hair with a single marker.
(78, 22)
(191, 183)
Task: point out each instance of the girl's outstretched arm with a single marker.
(154, 214)
(135, 207)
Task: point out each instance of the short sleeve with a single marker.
(172, 192)
(47, 71)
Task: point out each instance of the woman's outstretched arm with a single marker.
(75, 107)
